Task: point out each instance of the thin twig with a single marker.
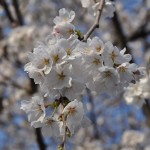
(97, 19)
(65, 134)
(64, 118)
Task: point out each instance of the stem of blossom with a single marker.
(64, 117)
(64, 137)
(52, 115)
(97, 19)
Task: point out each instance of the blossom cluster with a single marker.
(64, 67)
(137, 93)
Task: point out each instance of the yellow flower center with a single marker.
(61, 76)
(98, 49)
(70, 31)
(65, 19)
(96, 61)
(72, 110)
(113, 56)
(68, 50)
(56, 58)
(46, 61)
(122, 69)
(107, 74)
(49, 121)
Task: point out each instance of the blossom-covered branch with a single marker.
(97, 19)
(64, 67)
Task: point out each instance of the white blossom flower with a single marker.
(79, 71)
(69, 45)
(93, 62)
(127, 57)
(40, 59)
(64, 30)
(139, 73)
(34, 73)
(109, 75)
(64, 16)
(126, 72)
(74, 90)
(96, 44)
(112, 55)
(50, 40)
(133, 94)
(138, 92)
(50, 127)
(145, 86)
(49, 91)
(35, 110)
(74, 112)
(106, 81)
(58, 78)
(57, 55)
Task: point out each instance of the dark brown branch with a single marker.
(7, 11)
(139, 34)
(97, 19)
(118, 28)
(18, 12)
(39, 139)
(1, 33)
(1, 103)
(141, 31)
(122, 39)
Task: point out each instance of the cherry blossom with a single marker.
(74, 113)
(64, 66)
(64, 16)
(35, 110)
(50, 127)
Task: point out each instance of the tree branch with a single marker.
(141, 31)
(18, 12)
(65, 134)
(138, 34)
(7, 11)
(39, 139)
(97, 19)
(122, 39)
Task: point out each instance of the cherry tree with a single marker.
(67, 65)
